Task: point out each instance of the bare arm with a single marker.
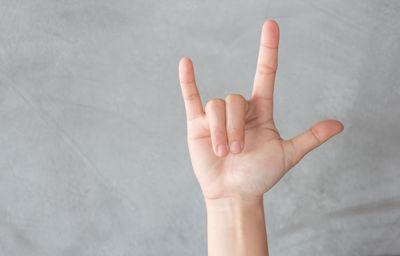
(237, 153)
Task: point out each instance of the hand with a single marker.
(235, 148)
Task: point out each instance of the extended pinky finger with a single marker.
(190, 93)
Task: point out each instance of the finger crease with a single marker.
(265, 69)
(315, 134)
(264, 45)
(191, 96)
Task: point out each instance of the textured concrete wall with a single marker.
(93, 154)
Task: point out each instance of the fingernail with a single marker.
(221, 150)
(235, 147)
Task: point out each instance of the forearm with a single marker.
(236, 227)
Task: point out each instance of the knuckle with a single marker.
(268, 46)
(235, 98)
(236, 130)
(218, 131)
(266, 69)
(187, 83)
(315, 135)
(290, 152)
(191, 96)
(215, 103)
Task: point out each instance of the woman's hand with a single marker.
(235, 148)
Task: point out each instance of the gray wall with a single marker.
(93, 154)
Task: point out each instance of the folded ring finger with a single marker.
(236, 108)
(215, 112)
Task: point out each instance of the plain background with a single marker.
(93, 153)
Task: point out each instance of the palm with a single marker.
(265, 156)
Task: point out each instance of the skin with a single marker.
(237, 153)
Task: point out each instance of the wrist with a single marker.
(236, 224)
(235, 211)
(234, 202)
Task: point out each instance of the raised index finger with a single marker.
(267, 61)
(190, 93)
